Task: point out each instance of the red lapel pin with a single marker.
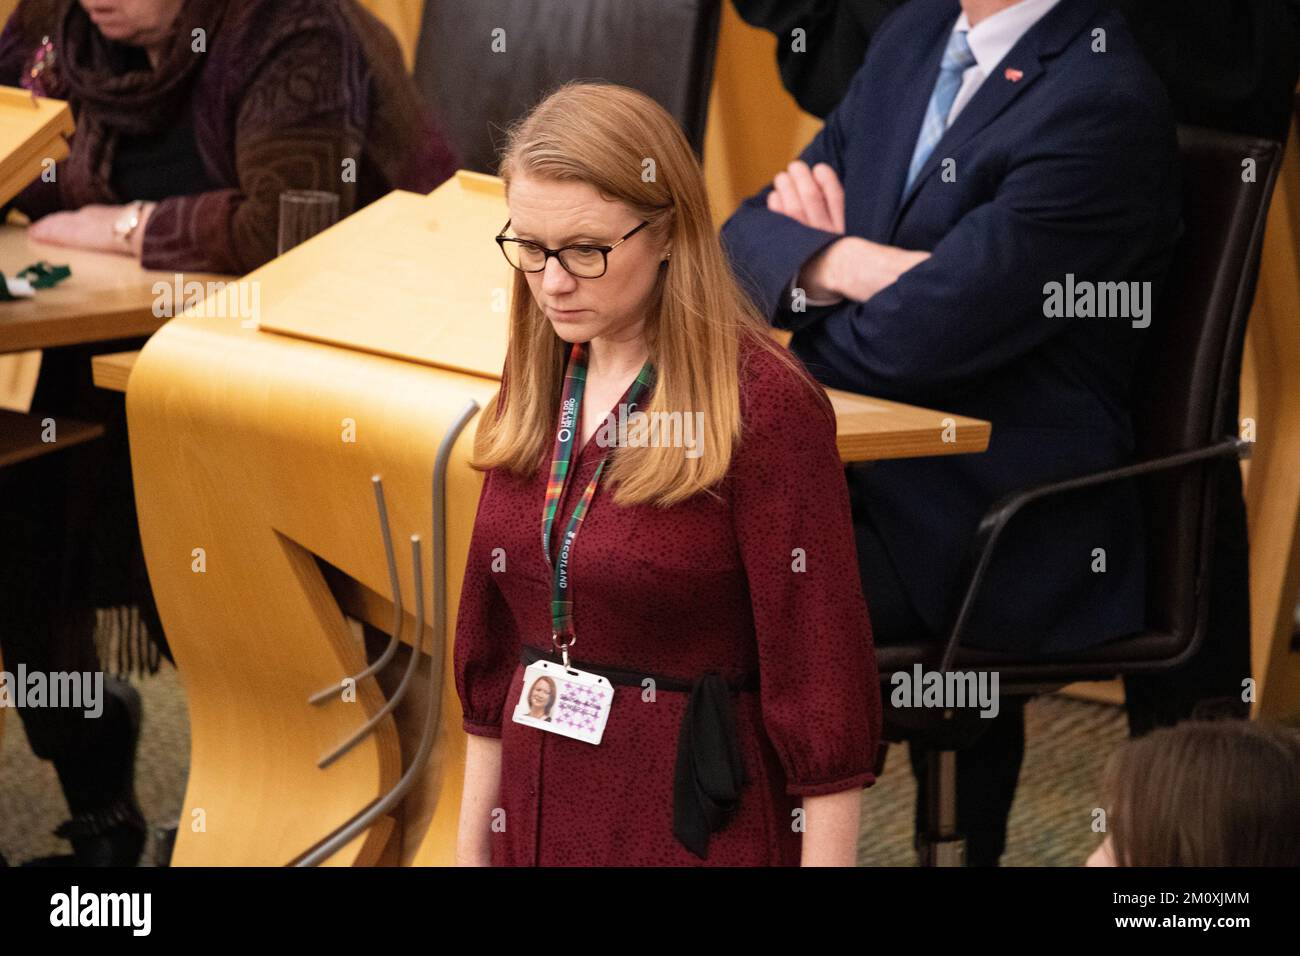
(1012, 74)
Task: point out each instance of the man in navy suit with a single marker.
(982, 226)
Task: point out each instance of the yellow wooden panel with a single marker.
(755, 127)
(32, 132)
(18, 374)
(1270, 399)
(113, 369)
(239, 446)
(430, 260)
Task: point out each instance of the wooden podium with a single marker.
(253, 442)
(253, 451)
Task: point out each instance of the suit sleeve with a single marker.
(819, 688)
(487, 640)
(1083, 198)
(767, 249)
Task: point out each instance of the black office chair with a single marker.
(665, 48)
(1186, 431)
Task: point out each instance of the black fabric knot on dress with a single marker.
(710, 768)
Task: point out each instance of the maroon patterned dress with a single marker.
(762, 580)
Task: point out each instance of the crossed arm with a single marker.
(1088, 195)
(850, 267)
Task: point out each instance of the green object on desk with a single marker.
(39, 275)
(42, 275)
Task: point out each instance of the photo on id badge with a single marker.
(568, 702)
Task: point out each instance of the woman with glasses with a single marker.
(694, 597)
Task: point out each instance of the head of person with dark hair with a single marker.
(1204, 793)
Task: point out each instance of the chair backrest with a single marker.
(1187, 380)
(665, 48)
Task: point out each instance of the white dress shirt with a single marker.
(990, 40)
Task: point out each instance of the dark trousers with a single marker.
(69, 544)
(987, 771)
(45, 625)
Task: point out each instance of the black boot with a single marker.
(112, 836)
(107, 826)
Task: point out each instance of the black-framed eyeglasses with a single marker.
(583, 261)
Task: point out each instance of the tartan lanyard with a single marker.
(575, 383)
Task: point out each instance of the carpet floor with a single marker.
(1068, 741)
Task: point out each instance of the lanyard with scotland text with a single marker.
(575, 382)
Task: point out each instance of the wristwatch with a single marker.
(126, 226)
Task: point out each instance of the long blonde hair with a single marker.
(608, 136)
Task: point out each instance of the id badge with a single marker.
(564, 701)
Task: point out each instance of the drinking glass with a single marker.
(304, 213)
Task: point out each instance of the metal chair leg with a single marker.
(321, 696)
(400, 692)
(943, 844)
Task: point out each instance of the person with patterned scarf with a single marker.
(192, 117)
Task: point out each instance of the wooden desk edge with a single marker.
(971, 437)
(112, 370)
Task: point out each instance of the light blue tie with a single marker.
(956, 58)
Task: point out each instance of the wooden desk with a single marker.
(107, 296)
